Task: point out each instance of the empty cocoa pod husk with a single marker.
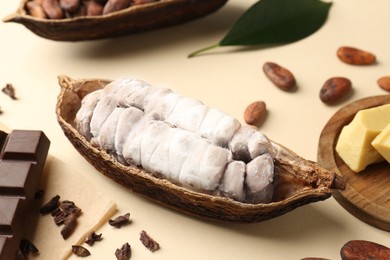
(134, 19)
(297, 181)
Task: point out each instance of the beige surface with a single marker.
(225, 79)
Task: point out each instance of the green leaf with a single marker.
(275, 22)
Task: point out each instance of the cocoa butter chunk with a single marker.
(22, 159)
(148, 242)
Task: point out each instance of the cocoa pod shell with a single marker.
(135, 19)
(311, 182)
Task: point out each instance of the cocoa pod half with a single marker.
(135, 19)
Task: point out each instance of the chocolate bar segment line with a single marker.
(22, 157)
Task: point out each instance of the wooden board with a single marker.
(367, 193)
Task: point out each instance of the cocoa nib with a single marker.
(92, 238)
(123, 253)
(148, 242)
(70, 224)
(119, 221)
(50, 206)
(9, 90)
(80, 251)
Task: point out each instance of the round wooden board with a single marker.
(367, 193)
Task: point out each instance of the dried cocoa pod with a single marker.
(384, 83)
(279, 75)
(115, 5)
(311, 182)
(363, 250)
(70, 5)
(334, 89)
(127, 21)
(255, 112)
(355, 56)
(35, 9)
(52, 9)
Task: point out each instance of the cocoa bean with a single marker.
(255, 112)
(70, 5)
(115, 5)
(35, 9)
(279, 75)
(384, 83)
(334, 89)
(362, 250)
(355, 56)
(52, 9)
(93, 8)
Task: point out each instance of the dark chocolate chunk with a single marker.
(22, 157)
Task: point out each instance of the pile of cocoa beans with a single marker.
(60, 9)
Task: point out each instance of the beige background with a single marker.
(228, 79)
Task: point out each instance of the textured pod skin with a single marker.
(311, 182)
(135, 19)
(280, 76)
(363, 250)
(355, 56)
(335, 89)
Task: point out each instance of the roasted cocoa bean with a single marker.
(334, 89)
(255, 112)
(52, 9)
(279, 75)
(363, 250)
(384, 83)
(115, 5)
(355, 56)
(35, 9)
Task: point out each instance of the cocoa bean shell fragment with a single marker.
(135, 19)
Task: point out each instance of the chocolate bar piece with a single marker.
(22, 157)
